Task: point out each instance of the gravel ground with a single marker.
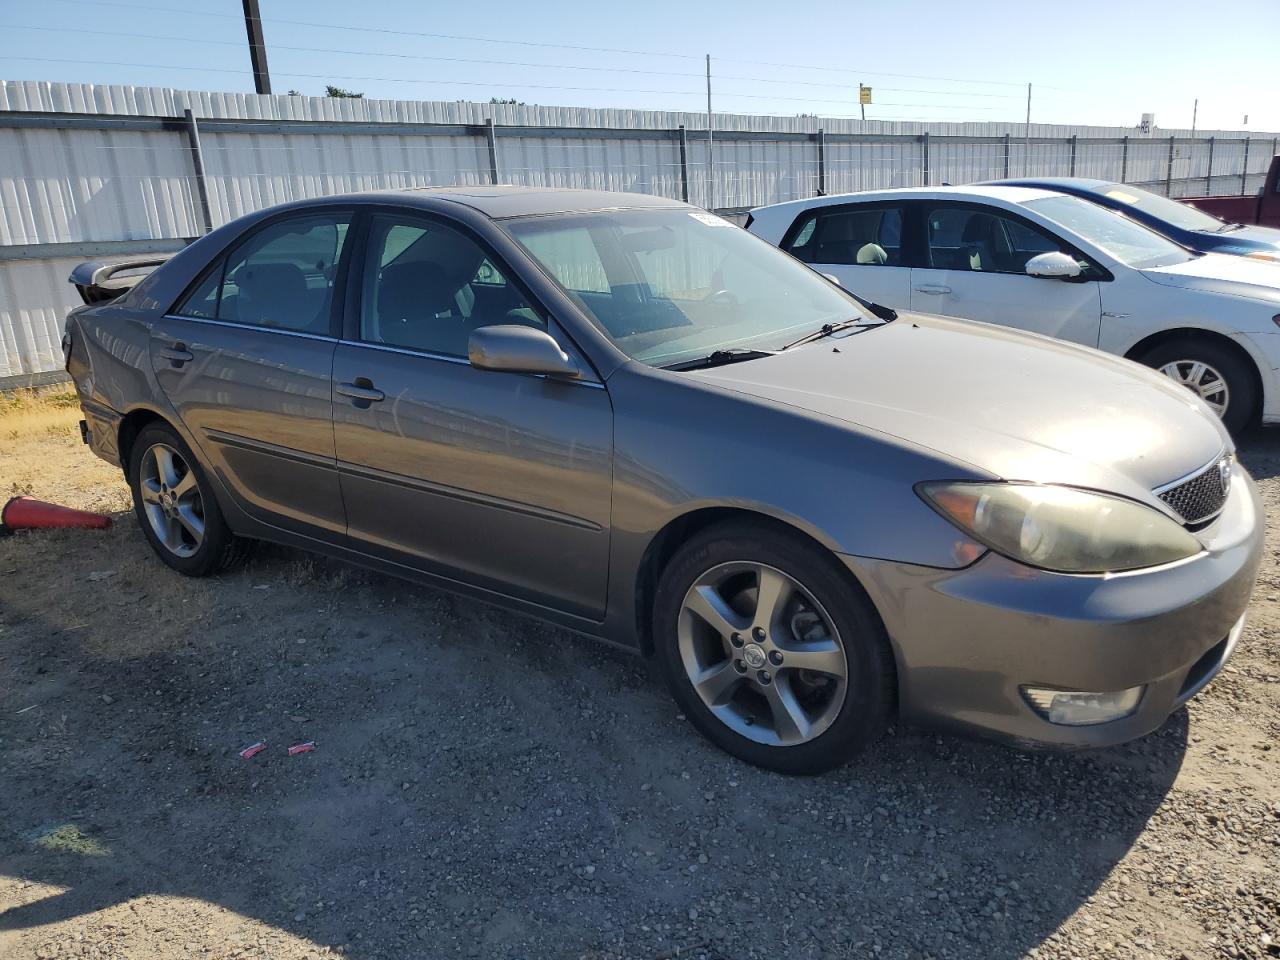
(485, 786)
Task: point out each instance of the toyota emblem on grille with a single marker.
(1224, 473)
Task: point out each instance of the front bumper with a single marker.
(968, 640)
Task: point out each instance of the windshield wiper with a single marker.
(718, 358)
(1229, 227)
(827, 329)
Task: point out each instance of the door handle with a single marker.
(936, 289)
(177, 355)
(361, 391)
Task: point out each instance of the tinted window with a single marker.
(203, 300)
(427, 287)
(282, 277)
(981, 239)
(865, 236)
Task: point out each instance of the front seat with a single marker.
(977, 242)
(416, 303)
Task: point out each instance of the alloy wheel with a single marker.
(762, 654)
(1202, 380)
(171, 499)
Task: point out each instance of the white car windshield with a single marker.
(1131, 243)
(676, 284)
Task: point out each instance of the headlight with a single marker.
(1061, 528)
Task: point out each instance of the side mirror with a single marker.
(517, 349)
(1054, 266)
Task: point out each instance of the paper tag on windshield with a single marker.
(711, 220)
(1122, 196)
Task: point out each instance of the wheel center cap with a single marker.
(753, 656)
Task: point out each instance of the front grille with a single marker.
(1202, 496)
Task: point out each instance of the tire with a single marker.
(1226, 368)
(172, 495)
(826, 623)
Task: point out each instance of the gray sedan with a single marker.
(635, 420)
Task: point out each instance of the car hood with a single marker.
(1222, 273)
(1248, 238)
(1012, 405)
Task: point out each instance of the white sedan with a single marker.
(1055, 265)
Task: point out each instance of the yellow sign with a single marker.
(864, 94)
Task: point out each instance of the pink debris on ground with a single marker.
(302, 747)
(253, 749)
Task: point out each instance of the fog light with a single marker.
(1073, 708)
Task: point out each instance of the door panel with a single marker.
(502, 479)
(977, 258)
(260, 408)
(246, 358)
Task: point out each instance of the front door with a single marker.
(502, 480)
(245, 359)
(976, 260)
(861, 245)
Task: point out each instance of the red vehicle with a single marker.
(1262, 208)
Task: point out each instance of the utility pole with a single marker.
(257, 47)
(711, 156)
(1026, 138)
(1194, 110)
(861, 106)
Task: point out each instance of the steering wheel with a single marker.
(726, 297)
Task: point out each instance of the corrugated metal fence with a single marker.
(91, 171)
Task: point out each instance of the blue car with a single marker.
(1179, 222)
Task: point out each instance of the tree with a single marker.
(331, 91)
(294, 93)
(511, 100)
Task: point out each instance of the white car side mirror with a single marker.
(1053, 266)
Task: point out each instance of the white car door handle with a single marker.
(934, 288)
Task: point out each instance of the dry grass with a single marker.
(41, 454)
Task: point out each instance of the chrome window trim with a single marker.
(251, 326)
(447, 358)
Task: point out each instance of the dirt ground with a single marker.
(485, 786)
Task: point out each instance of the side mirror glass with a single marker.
(1054, 266)
(512, 348)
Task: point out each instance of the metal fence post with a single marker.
(1168, 174)
(924, 141)
(822, 162)
(197, 163)
(684, 163)
(1007, 147)
(1124, 159)
(1244, 169)
(1073, 156)
(491, 134)
(1208, 175)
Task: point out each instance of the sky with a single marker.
(1088, 62)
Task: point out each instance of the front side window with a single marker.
(427, 286)
(675, 284)
(982, 240)
(866, 236)
(282, 277)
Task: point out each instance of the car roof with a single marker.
(1087, 184)
(503, 201)
(976, 191)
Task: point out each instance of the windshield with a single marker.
(1131, 243)
(1162, 208)
(677, 284)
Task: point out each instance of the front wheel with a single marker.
(770, 649)
(1214, 373)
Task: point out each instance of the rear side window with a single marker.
(854, 236)
(280, 277)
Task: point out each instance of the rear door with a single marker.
(501, 480)
(246, 357)
(975, 260)
(861, 245)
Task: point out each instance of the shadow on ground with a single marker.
(486, 786)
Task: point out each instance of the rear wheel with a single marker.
(176, 507)
(1213, 372)
(774, 654)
